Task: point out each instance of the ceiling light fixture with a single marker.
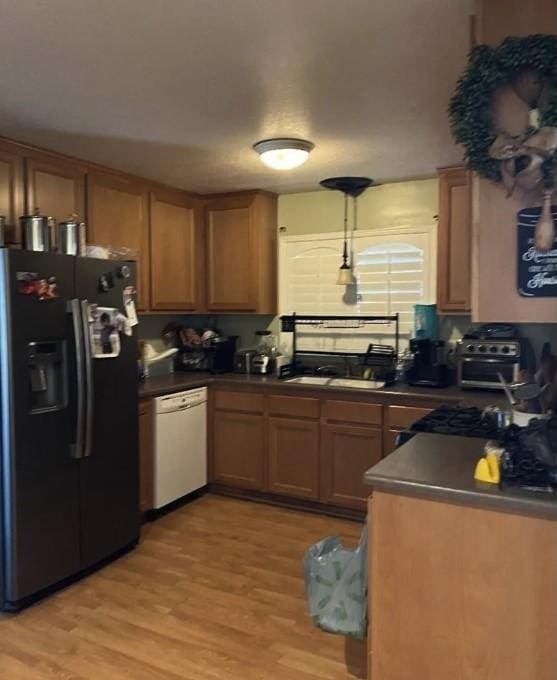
(283, 153)
(350, 186)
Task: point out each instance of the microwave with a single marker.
(479, 363)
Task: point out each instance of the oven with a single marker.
(479, 363)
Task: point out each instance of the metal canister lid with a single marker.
(72, 220)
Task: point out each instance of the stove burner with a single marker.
(465, 422)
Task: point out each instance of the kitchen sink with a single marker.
(309, 380)
(353, 383)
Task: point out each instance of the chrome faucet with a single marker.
(328, 369)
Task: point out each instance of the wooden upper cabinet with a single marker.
(55, 186)
(347, 452)
(241, 256)
(11, 189)
(176, 252)
(454, 241)
(118, 215)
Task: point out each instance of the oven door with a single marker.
(484, 372)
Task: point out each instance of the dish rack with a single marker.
(377, 362)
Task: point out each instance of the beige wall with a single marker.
(390, 205)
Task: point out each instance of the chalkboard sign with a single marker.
(537, 271)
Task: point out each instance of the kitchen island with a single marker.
(463, 575)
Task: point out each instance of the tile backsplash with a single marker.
(451, 328)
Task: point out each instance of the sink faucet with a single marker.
(327, 369)
(333, 369)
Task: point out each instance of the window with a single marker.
(394, 270)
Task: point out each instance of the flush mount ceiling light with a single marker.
(350, 186)
(283, 153)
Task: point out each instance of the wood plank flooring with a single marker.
(213, 592)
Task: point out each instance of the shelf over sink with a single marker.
(352, 383)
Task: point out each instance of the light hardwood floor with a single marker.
(213, 592)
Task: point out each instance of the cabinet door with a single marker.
(55, 186)
(11, 189)
(454, 241)
(293, 457)
(232, 264)
(146, 460)
(118, 215)
(389, 441)
(176, 252)
(347, 452)
(238, 449)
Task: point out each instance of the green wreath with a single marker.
(489, 68)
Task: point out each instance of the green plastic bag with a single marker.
(336, 586)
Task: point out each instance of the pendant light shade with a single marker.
(345, 275)
(350, 186)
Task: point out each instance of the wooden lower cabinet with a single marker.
(238, 446)
(302, 446)
(293, 457)
(389, 441)
(347, 452)
(146, 455)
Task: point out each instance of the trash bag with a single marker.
(336, 586)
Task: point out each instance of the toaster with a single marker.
(242, 360)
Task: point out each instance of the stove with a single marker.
(464, 422)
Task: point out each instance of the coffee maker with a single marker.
(428, 367)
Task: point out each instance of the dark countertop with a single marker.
(441, 467)
(166, 384)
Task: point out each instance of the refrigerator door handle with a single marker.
(89, 391)
(75, 311)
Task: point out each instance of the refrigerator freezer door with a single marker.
(40, 502)
(109, 482)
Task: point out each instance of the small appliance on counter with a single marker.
(428, 367)
(220, 353)
(490, 350)
(425, 322)
(479, 363)
(266, 352)
(242, 361)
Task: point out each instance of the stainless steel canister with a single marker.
(34, 232)
(72, 236)
(68, 236)
(2, 231)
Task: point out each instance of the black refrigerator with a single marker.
(69, 438)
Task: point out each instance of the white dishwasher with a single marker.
(180, 445)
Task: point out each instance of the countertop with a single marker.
(441, 467)
(175, 382)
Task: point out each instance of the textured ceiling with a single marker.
(179, 90)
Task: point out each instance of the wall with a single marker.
(388, 205)
(494, 291)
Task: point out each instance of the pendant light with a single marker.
(350, 186)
